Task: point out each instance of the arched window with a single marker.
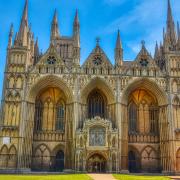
(132, 117)
(38, 115)
(153, 113)
(96, 105)
(60, 114)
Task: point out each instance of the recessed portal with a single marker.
(96, 164)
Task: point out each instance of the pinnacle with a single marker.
(118, 42)
(76, 19)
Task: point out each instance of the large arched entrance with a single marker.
(96, 164)
(143, 105)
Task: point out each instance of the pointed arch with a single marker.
(148, 85)
(149, 159)
(49, 81)
(4, 154)
(60, 115)
(134, 163)
(176, 101)
(133, 110)
(96, 104)
(41, 157)
(98, 83)
(38, 115)
(174, 86)
(12, 162)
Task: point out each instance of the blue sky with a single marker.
(137, 20)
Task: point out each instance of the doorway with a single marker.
(133, 162)
(59, 161)
(96, 164)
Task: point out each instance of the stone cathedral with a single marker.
(59, 115)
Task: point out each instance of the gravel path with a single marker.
(101, 176)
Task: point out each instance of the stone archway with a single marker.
(98, 86)
(97, 83)
(145, 83)
(155, 96)
(57, 106)
(96, 163)
(49, 81)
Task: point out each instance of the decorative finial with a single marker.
(143, 43)
(97, 40)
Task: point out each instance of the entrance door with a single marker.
(96, 164)
(133, 162)
(59, 162)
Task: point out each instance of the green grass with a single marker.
(45, 177)
(139, 177)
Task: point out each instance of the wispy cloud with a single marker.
(144, 21)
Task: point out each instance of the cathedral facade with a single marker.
(58, 115)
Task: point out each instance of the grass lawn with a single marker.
(138, 177)
(45, 177)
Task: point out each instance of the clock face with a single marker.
(144, 62)
(51, 60)
(97, 60)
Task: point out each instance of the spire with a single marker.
(171, 34)
(170, 18)
(54, 27)
(76, 30)
(23, 30)
(118, 50)
(10, 36)
(156, 54)
(76, 19)
(118, 41)
(76, 39)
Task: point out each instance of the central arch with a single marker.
(98, 83)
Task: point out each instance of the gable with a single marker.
(144, 59)
(97, 59)
(51, 58)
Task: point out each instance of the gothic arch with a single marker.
(49, 81)
(4, 156)
(176, 100)
(149, 159)
(98, 83)
(12, 157)
(147, 84)
(41, 157)
(134, 162)
(57, 148)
